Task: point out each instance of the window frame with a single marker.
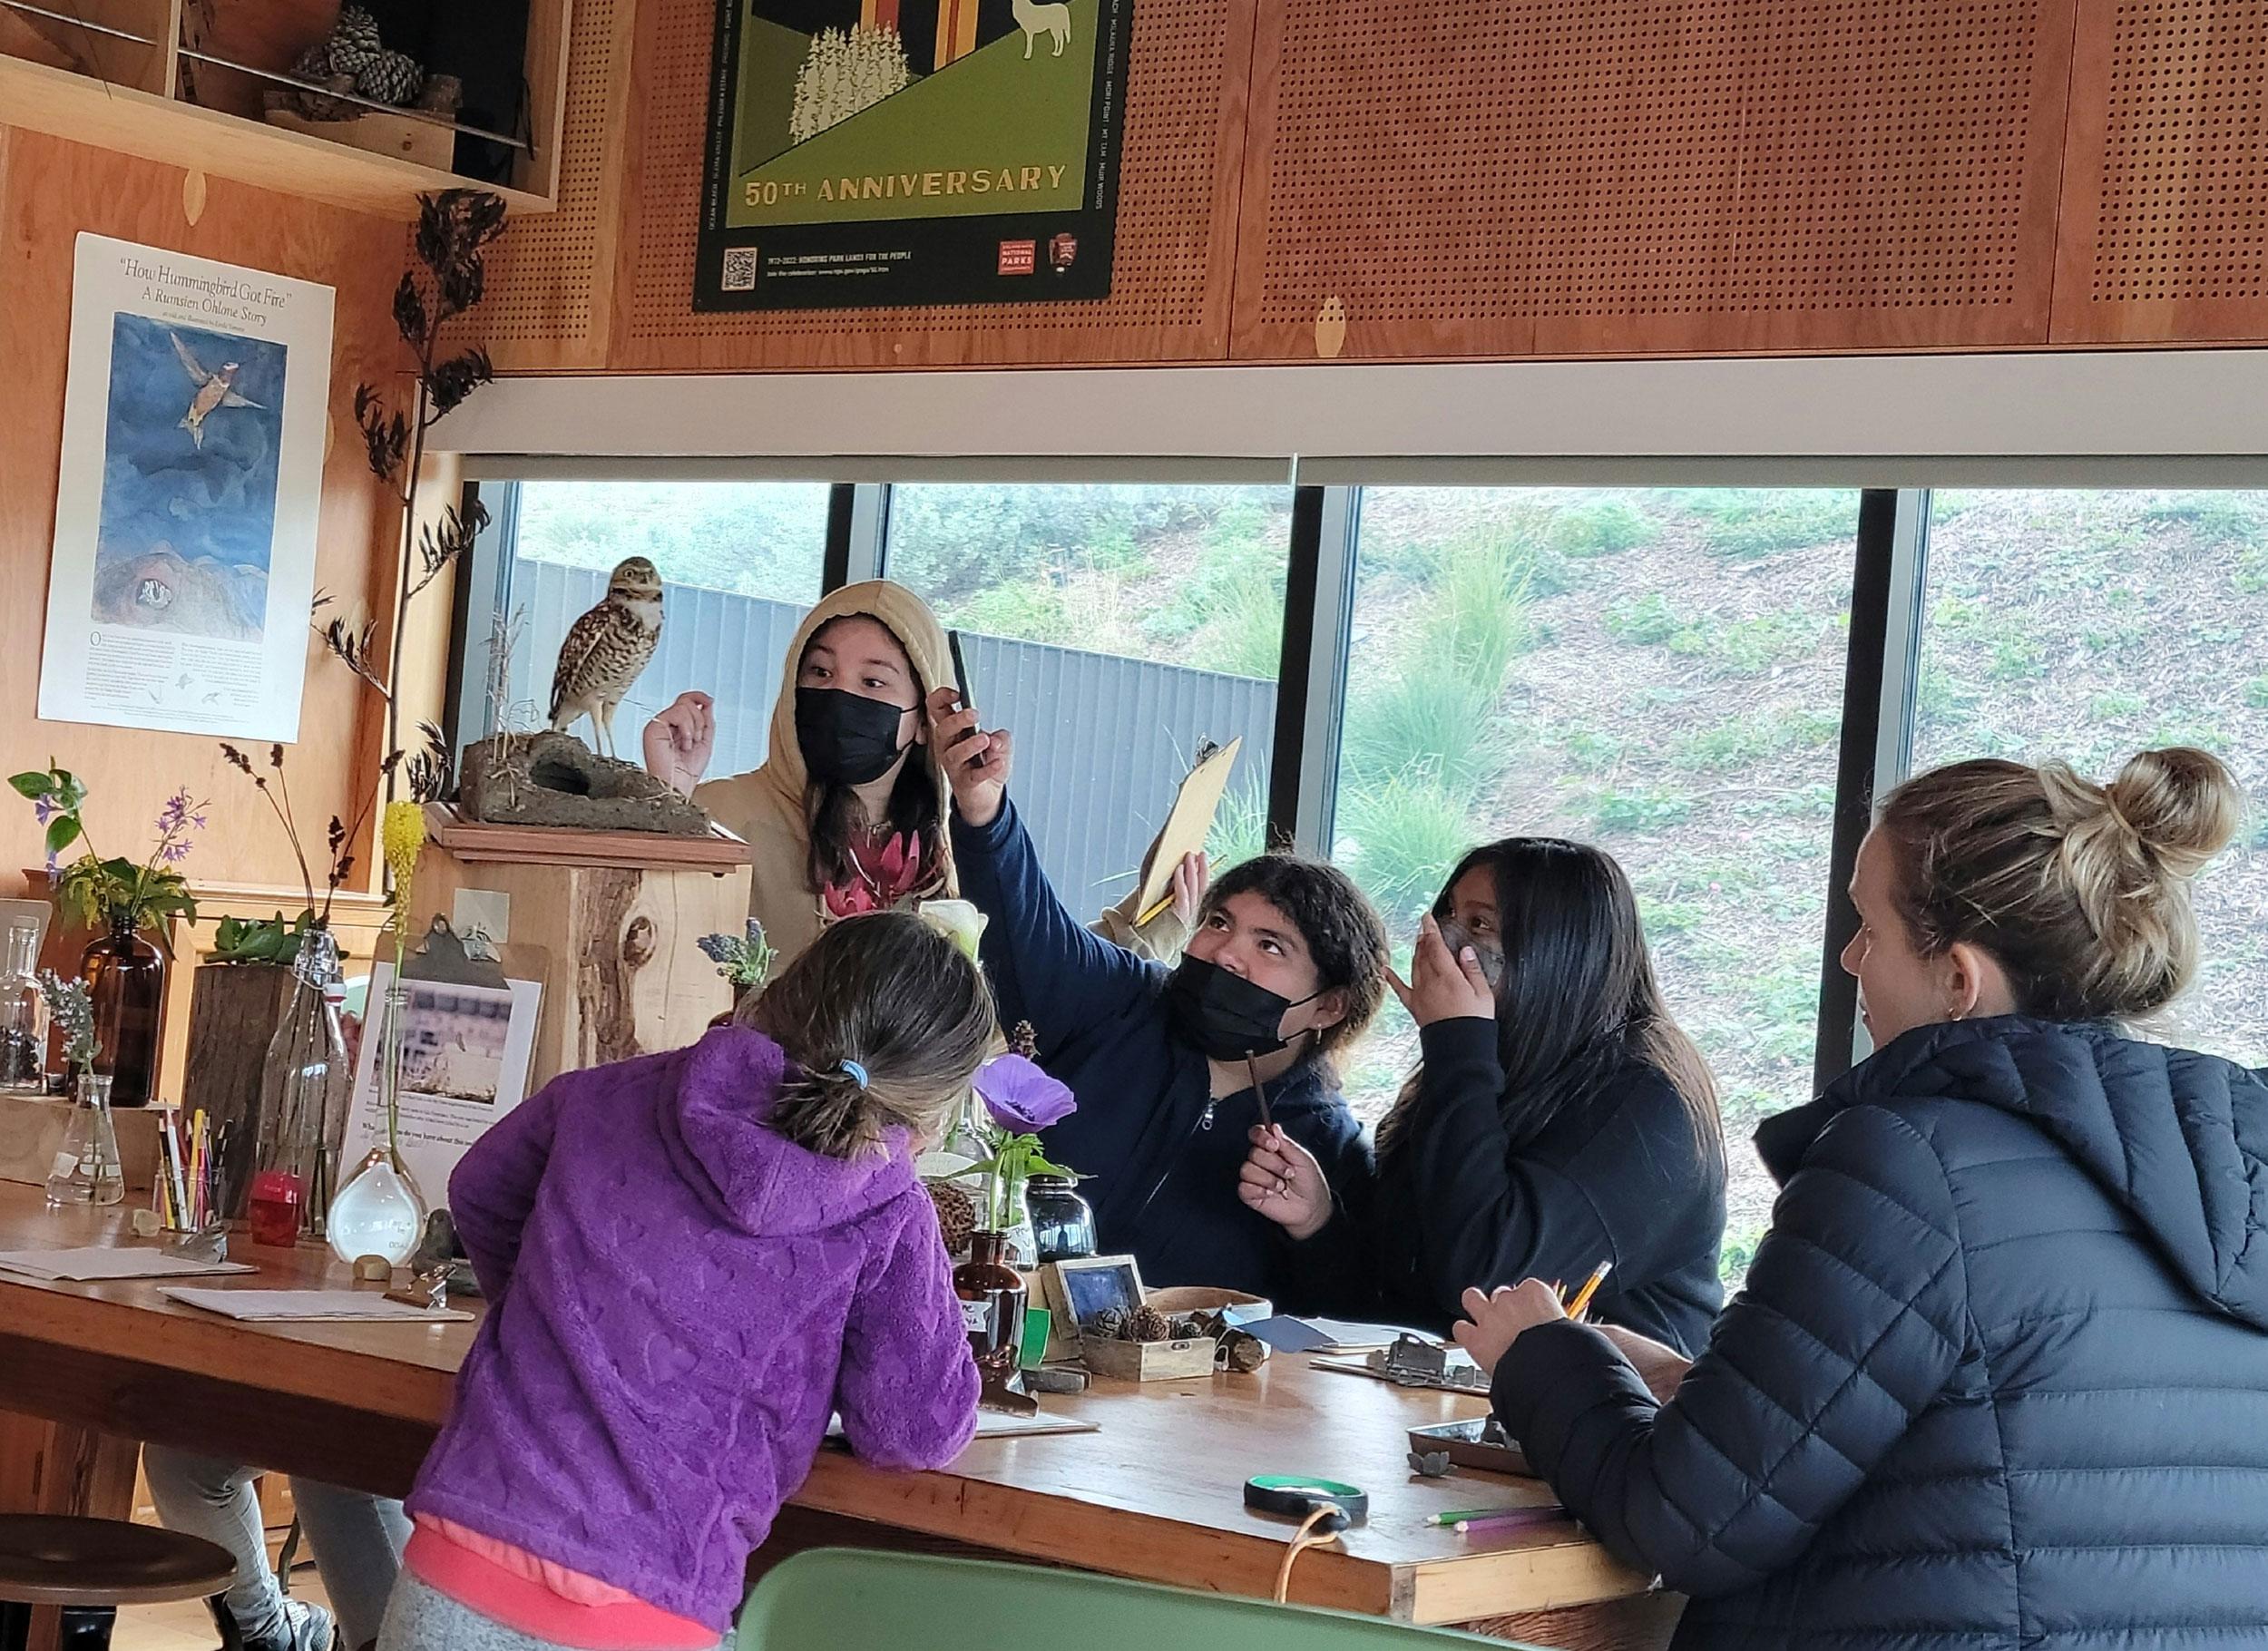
(1890, 570)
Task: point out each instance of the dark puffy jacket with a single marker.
(1997, 1377)
(1163, 1149)
(1617, 1174)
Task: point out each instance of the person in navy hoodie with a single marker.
(1286, 967)
(1999, 1375)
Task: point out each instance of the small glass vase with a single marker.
(379, 1212)
(87, 1169)
(125, 983)
(23, 1013)
(305, 1087)
(1019, 1236)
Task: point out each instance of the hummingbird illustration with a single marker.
(213, 390)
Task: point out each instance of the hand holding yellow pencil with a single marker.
(1576, 1308)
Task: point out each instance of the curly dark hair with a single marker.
(1346, 938)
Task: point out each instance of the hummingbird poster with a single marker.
(192, 478)
(871, 152)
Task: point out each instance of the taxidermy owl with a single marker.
(606, 649)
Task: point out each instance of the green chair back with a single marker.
(856, 1599)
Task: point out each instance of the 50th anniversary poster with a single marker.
(912, 151)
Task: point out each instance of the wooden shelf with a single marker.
(157, 127)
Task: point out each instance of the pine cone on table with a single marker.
(1148, 1324)
(956, 1213)
(354, 41)
(1109, 1325)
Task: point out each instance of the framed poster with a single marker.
(912, 151)
(190, 482)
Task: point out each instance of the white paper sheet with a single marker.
(312, 1306)
(98, 1262)
(997, 1425)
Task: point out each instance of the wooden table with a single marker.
(1154, 1494)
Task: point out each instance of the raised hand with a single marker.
(976, 763)
(679, 742)
(1441, 987)
(1282, 1181)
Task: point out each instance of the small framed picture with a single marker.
(1083, 1290)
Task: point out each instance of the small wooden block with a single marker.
(373, 1270)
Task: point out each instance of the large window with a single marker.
(742, 561)
(1658, 672)
(1113, 627)
(2089, 625)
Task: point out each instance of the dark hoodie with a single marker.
(678, 1297)
(1997, 1379)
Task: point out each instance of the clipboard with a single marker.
(1187, 824)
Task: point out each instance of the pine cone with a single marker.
(390, 77)
(1109, 1325)
(956, 1213)
(1187, 1330)
(1148, 1324)
(1023, 1041)
(354, 41)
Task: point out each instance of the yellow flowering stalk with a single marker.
(403, 837)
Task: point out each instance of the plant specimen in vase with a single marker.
(745, 960)
(273, 940)
(98, 890)
(72, 1011)
(455, 231)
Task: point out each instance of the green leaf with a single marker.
(30, 786)
(63, 831)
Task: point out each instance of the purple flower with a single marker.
(1021, 1096)
(44, 808)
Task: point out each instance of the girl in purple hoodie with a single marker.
(691, 1260)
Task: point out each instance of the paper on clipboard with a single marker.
(1189, 823)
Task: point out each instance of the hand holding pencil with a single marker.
(1495, 1319)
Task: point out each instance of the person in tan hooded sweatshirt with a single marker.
(847, 813)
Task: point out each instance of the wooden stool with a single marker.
(53, 1559)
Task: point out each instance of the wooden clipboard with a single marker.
(1188, 825)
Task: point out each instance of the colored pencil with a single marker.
(1590, 1288)
(1506, 1520)
(1464, 1514)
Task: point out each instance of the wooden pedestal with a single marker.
(617, 949)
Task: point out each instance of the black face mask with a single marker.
(847, 739)
(1226, 1016)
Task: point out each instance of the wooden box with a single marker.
(1073, 1291)
(616, 947)
(32, 1130)
(234, 1010)
(1148, 1361)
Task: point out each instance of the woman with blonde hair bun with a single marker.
(1999, 1377)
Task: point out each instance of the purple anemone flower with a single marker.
(1021, 1096)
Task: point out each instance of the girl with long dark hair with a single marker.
(1559, 1117)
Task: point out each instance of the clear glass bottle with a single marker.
(303, 1095)
(87, 1169)
(23, 1013)
(1062, 1221)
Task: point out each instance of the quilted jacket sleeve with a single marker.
(1852, 1325)
(907, 1391)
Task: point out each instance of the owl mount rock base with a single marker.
(551, 778)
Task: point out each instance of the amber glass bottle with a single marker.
(992, 1297)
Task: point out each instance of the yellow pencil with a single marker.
(1147, 918)
(1590, 1288)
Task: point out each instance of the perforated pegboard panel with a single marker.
(547, 301)
(1493, 177)
(2166, 215)
(1177, 188)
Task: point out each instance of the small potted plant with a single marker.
(744, 960)
(119, 898)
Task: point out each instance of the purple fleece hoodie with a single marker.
(678, 1297)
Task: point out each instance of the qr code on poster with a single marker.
(739, 270)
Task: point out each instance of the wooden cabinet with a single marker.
(122, 81)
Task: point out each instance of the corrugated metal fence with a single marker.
(1102, 741)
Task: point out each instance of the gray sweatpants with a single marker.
(358, 1538)
(424, 1618)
